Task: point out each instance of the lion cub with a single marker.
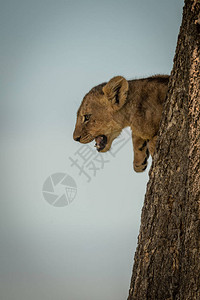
(110, 107)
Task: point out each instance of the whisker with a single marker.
(87, 138)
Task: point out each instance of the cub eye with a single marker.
(86, 118)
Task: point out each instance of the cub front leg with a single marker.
(152, 145)
(141, 153)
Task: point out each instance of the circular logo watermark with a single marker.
(59, 189)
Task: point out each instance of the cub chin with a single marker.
(110, 107)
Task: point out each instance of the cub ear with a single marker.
(116, 91)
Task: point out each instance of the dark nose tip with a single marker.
(78, 139)
(76, 135)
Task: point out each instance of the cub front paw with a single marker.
(141, 161)
(140, 168)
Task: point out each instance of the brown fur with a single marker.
(112, 106)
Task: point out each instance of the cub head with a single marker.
(99, 117)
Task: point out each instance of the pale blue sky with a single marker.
(51, 54)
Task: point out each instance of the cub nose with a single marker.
(76, 136)
(77, 139)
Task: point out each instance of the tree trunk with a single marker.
(167, 259)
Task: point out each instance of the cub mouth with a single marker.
(101, 141)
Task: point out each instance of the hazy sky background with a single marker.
(51, 54)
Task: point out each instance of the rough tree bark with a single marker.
(167, 259)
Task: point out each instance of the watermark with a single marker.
(60, 189)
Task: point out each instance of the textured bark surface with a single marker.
(167, 259)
